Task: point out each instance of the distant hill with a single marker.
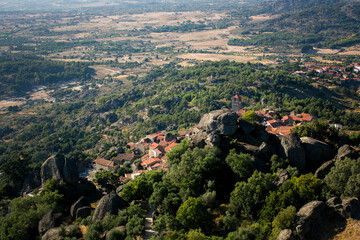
(283, 6)
(322, 24)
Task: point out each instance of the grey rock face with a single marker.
(246, 127)
(52, 168)
(285, 234)
(292, 149)
(346, 151)
(198, 139)
(351, 207)
(82, 202)
(50, 220)
(213, 139)
(56, 167)
(283, 176)
(324, 169)
(53, 234)
(83, 212)
(316, 152)
(309, 219)
(70, 172)
(222, 122)
(110, 203)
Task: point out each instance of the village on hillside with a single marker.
(335, 72)
(150, 152)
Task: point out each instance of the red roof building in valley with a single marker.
(103, 164)
(150, 162)
(168, 148)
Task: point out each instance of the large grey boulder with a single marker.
(59, 168)
(222, 122)
(82, 202)
(246, 127)
(120, 232)
(198, 139)
(285, 234)
(70, 171)
(324, 169)
(53, 234)
(50, 220)
(109, 204)
(83, 212)
(292, 149)
(346, 151)
(316, 152)
(351, 208)
(309, 219)
(53, 168)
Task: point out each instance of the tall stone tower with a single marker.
(236, 103)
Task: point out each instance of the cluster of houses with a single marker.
(337, 73)
(275, 124)
(151, 150)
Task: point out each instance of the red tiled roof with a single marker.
(131, 144)
(236, 96)
(168, 148)
(153, 135)
(182, 133)
(145, 156)
(154, 145)
(104, 162)
(163, 143)
(150, 162)
(241, 111)
(126, 157)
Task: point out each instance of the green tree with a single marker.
(250, 116)
(297, 192)
(248, 197)
(242, 164)
(193, 214)
(285, 219)
(344, 178)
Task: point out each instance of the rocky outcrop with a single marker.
(324, 169)
(346, 151)
(245, 127)
(351, 208)
(292, 149)
(50, 220)
(316, 152)
(52, 168)
(285, 234)
(30, 183)
(82, 202)
(83, 212)
(309, 219)
(59, 168)
(120, 232)
(283, 176)
(222, 122)
(54, 233)
(110, 117)
(70, 171)
(198, 139)
(169, 137)
(109, 204)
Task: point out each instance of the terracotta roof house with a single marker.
(168, 148)
(103, 164)
(150, 162)
(121, 158)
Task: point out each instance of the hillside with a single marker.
(328, 25)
